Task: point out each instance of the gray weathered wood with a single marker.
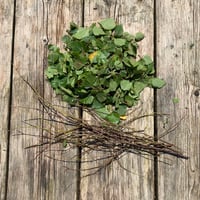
(24, 170)
(42, 22)
(6, 21)
(61, 176)
(115, 182)
(178, 63)
(39, 178)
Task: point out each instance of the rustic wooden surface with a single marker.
(38, 23)
(61, 177)
(114, 182)
(178, 31)
(25, 180)
(6, 21)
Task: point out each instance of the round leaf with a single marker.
(157, 83)
(122, 110)
(147, 60)
(98, 31)
(113, 85)
(114, 118)
(119, 42)
(139, 36)
(102, 112)
(118, 31)
(87, 100)
(101, 97)
(139, 86)
(125, 85)
(81, 33)
(108, 24)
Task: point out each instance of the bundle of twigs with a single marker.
(100, 136)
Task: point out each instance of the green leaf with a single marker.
(118, 31)
(87, 100)
(175, 100)
(141, 68)
(147, 60)
(81, 33)
(129, 101)
(69, 99)
(72, 81)
(96, 104)
(114, 118)
(139, 36)
(132, 49)
(66, 39)
(157, 83)
(87, 79)
(122, 110)
(118, 65)
(125, 85)
(98, 31)
(53, 58)
(65, 143)
(133, 62)
(102, 112)
(126, 61)
(82, 93)
(128, 37)
(139, 86)
(73, 26)
(113, 85)
(119, 42)
(67, 91)
(51, 72)
(79, 72)
(53, 48)
(75, 46)
(108, 24)
(101, 97)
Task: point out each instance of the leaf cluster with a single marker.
(100, 69)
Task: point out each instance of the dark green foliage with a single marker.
(100, 69)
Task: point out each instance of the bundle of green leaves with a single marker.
(100, 69)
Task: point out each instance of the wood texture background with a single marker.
(172, 30)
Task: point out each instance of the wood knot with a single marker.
(196, 92)
(45, 40)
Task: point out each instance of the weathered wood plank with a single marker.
(6, 21)
(37, 22)
(115, 182)
(28, 62)
(61, 176)
(178, 31)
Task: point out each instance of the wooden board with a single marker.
(115, 182)
(37, 22)
(6, 21)
(61, 176)
(24, 169)
(178, 36)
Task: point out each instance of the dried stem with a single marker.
(112, 140)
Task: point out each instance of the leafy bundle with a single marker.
(100, 69)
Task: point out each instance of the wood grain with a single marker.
(178, 32)
(39, 23)
(114, 182)
(24, 169)
(6, 21)
(61, 177)
(32, 177)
